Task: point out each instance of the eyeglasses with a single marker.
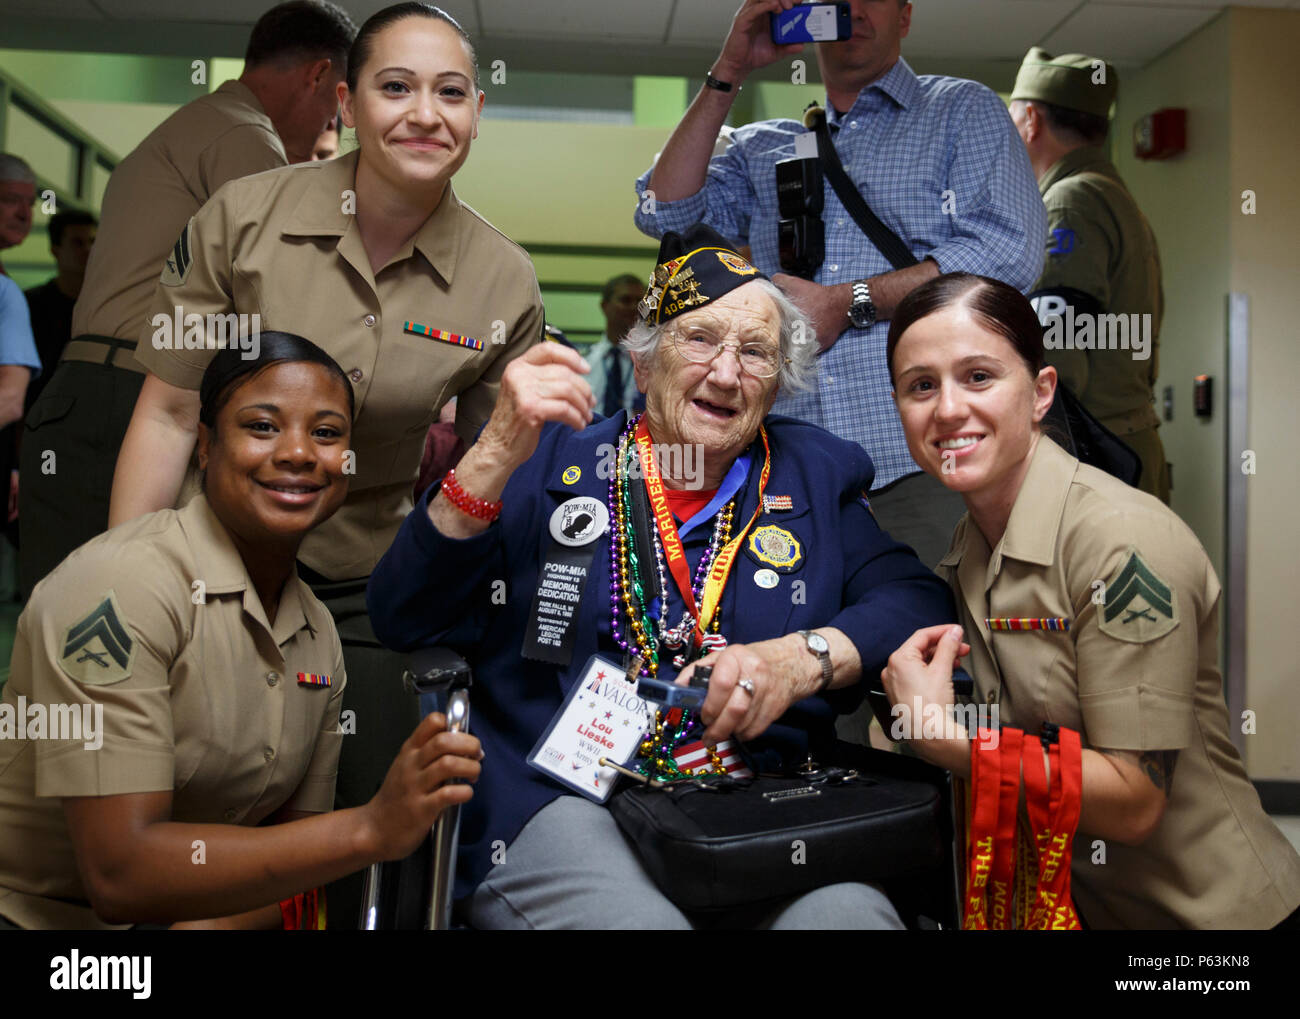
(756, 359)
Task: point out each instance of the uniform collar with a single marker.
(899, 83)
(320, 213)
(236, 88)
(1087, 158)
(222, 571)
(1035, 520)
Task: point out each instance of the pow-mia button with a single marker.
(98, 650)
(579, 521)
(775, 547)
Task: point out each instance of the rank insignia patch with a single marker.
(176, 268)
(775, 547)
(1140, 606)
(98, 650)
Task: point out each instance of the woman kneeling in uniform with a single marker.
(1128, 653)
(206, 678)
(703, 531)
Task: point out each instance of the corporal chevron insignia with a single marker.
(98, 650)
(1139, 605)
(176, 267)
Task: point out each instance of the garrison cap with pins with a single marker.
(695, 267)
(1074, 81)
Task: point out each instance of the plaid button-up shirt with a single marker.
(939, 161)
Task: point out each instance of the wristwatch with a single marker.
(821, 650)
(862, 312)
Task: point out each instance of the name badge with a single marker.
(601, 717)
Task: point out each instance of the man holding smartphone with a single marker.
(937, 159)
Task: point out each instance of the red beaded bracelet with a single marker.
(480, 509)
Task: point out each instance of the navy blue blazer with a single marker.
(429, 589)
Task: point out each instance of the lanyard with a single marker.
(1053, 818)
(985, 780)
(672, 542)
(1002, 877)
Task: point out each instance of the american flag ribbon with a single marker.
(691, 756)
(1009, 623)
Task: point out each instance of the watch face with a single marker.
(818, 643)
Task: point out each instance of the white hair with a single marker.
(798, 341)
(14, 168)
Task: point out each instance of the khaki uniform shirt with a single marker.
(157, 623)
(1138, 672)
(1099, 243)
(155, 190)
(285, 246)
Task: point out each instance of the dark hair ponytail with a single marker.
(363, 43)
(230, 369)
(998, 307)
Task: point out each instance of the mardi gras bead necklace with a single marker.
(626, 594)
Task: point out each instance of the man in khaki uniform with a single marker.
(1099, 297)
(296, 56)
(171, 688)
(1137, 671)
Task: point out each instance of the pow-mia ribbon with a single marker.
(575, 527)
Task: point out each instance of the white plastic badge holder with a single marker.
(601, 717)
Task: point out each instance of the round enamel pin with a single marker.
(579, 521)
(775, 547)
(571, 475)
(766, 579)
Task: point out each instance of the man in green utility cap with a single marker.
(1099, 297)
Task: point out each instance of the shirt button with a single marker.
(269, 754)
(839, 222)
(272, 678)
(835, 268)
(356, 374)
(369, 320)
(830, 380)
(853, 123)
(230, 814)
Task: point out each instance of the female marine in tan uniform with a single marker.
(416, 297)
(196, 682)
(1187, 843)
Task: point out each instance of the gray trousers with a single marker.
(571, 868)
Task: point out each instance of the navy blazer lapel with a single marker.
(749, 601)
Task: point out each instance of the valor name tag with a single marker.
(601, 717)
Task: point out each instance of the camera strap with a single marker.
(888, 242)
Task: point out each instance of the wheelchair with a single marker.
(416, 893)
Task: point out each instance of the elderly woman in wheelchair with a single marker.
(686, 597)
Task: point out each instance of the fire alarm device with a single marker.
(1160, 135)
